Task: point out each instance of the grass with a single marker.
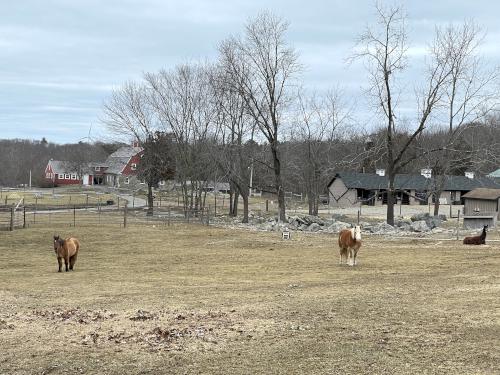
(190, 299)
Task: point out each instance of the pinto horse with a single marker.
(477, 240)
(349, 244)
(66, 249)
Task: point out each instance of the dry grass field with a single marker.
(198, 300)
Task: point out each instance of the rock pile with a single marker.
(417, 225)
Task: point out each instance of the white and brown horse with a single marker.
(349, 244)
(66, 249)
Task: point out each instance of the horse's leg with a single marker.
(59, 260)
(72, 261)
(66, 262)
(341, 256)
(355, 253)
(349, 257)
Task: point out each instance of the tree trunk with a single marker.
(231, 193)
(150, 200)
(245, 208)
(437, 195)
(390, 200)
(279, 185)
(235, 204)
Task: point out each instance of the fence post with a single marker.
(74, 216)
(215, 206)
(359, 215)
(87, 202)
(133, 200)
(458, 222)
(24, 217)
(267, 205)
(168, 220)
(208, 217)
(118, 202)
(12, 212)
(125, 209)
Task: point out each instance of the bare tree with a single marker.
(384, 49)
(261, 67)
(318, 124)
(471, 95)
(128, 112)
(183, 99)
(235, 158)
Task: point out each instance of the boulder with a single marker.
(314, 227)
(433, 222)
(419, 226)
(420, 216)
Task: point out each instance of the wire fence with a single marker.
(12, 218)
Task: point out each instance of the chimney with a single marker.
(380, 172)
(469, 175)
(427, 173)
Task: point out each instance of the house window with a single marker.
(73, 176)
(133, 166)
(97, 168)
(162, 182)
(66, 176)
(56, 176)
(126, 181)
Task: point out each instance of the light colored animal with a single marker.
(349, 244)
(66, 249)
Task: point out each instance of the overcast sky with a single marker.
(60, 59)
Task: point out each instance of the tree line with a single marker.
(246, 114)
(20, 156)
(246, 118)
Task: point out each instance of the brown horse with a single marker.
(349, 244)
(66, 249)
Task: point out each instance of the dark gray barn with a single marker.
(481, 208)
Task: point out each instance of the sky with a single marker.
(61, 59)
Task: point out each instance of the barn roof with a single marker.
(372, 181)
(116, 164)
(495, 173)
(120, 158)
(126, 152)
(483, 193)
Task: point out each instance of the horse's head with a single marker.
(356, 232)
(58, 243)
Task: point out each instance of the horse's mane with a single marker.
(61, 241)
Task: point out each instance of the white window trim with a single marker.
(73, 176)
(97, 168)
(66, 176)
(162, 182)
(126, 181)
(133, 166)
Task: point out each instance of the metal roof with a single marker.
(372, 181)
(482, 193)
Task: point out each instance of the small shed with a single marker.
(481, 207)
